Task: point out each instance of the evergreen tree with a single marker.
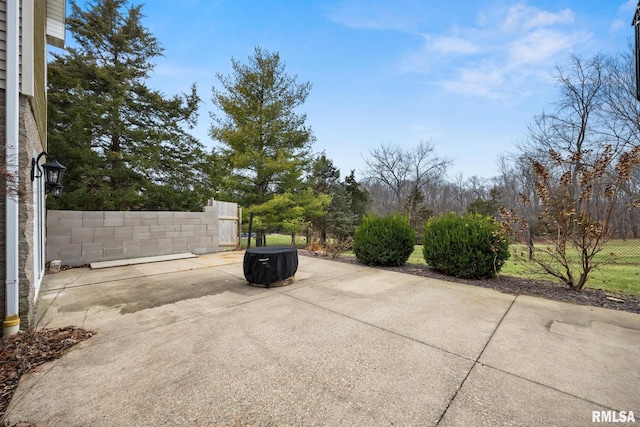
(359, 198)
(338, 219)
(289, 212)
(484, 207)
(420, 213)
(264, 141)
(125, 146)
(324, 175)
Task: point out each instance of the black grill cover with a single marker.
(270, 264)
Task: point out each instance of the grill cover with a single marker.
(270, 264)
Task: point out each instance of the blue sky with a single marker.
(466, 75)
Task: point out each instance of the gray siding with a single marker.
(3, 44)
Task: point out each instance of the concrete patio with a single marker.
(189, 342)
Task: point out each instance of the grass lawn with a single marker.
(611, 277)
(619, 269)
(277, 240)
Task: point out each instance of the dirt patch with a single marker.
(516, 286)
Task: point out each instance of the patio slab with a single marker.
(190, 342)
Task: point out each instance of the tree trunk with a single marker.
(530, 242)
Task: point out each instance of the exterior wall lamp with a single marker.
(53, 172)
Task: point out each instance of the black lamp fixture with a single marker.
(53, 172)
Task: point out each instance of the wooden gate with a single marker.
(228, 224)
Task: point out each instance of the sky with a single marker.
(467, 76)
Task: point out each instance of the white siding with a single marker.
(26, 48)
(56, 15)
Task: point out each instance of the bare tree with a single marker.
(620, 107)
(457, 198)
(405, 172)
(582, 157)
(575, 229)
(575, 126)
(382, 198)
(516, 185)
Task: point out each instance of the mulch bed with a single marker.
(23, 352)
(516, 286)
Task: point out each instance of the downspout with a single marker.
(11, 324)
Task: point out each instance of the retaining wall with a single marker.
(82, 237)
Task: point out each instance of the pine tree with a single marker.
(125, 145)
(264, 141)
(338, 219)
(359, 198)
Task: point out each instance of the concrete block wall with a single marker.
(82, 237)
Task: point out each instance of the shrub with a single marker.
(384, 240)
(471, 246)
(337, 246)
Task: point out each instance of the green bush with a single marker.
(384, 240)
(471, 246)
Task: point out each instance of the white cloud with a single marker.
(619, 25)
(379, 21)
(503, 55)
(522, 17)
(482, 82)
(628, 6)
(451, 45)
(629, 10)
(377, 15)
(540, 47)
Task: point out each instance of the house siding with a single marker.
(3, 44)
(40, 69)
(55, 22)
(30, 142)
